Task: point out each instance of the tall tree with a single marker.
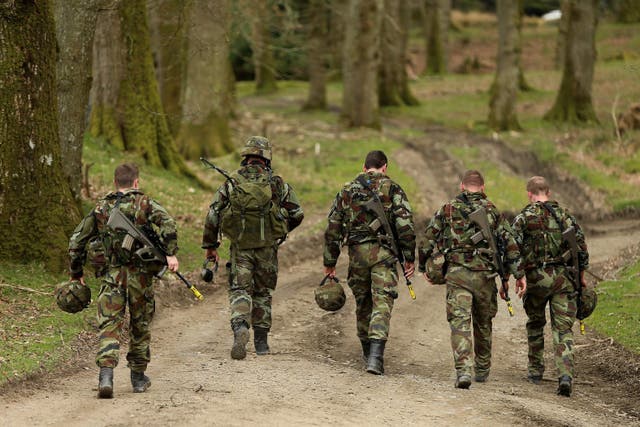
(76, 21)
(126, 107)
(573, 102)
(207, 92)
(261, 16)
(502, 106)
(627, 11)
(523, 85)
(436, 18)
(561, 38)
(316, 19)
(360, 63)
(393, 82)
(37, 210)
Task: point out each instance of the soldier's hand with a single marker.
(213, 254)
(409, 269)
(504, 289)
(80, 279)
(330, 271)
(521, 286)
(172, 263)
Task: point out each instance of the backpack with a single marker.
(251, 219)
(543, 237)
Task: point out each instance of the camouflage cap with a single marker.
(329, 295)
(73, 296)
(588, 303)
(257, 146)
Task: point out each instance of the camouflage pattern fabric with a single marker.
(471, 297)
(540, 237)
(373, 276)
(122, 287)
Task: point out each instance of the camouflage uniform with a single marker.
(254, 272)
(540, 240)
(470, 277)
(373, 278)
(125, 281)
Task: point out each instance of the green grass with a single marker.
(617, 314)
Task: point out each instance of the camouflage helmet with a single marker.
(588, 303)
(257, 146)
(330, 295)
(73, 296)
(436, 268)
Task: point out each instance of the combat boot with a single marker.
(375, 362)
(105, 383)
(260, 340)
(140, 382)
(564, 386)
(240, 340)
(463, 381)
(366, 346)
(534, 379)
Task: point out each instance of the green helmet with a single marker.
(73, 296)
(257, 146)
(436, 268)
(588, 303)
(330, 295)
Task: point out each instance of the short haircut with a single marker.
(537, 185)
(472, 178)
(375, 160)
(125, 174)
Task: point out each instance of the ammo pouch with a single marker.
(436, 268)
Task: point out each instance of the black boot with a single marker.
(105, 383)
(564, 386)
(260, 340)
(240, 340)
(366, 346)
(140, 382)
(375, 363)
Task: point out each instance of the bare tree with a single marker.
(561, 38)
(37, 210)
(260, 15)
(523, 85)
(361, 60)
(627, 11)
(207, 92)
(502, 106)
(316, 18)
(573, 102)
(436, 18)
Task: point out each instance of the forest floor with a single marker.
(315, 374)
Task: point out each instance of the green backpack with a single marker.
(251, 219)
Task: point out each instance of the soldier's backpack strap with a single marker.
(553, 213)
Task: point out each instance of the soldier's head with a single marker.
(472, 181)
(257, 148)
(538, 189)
(376, 160)
(126, 176)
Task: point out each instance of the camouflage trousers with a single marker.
(471, 297)
(373, 279)
(254, 273)
(550, 285)
(122, 287)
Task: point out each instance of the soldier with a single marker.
(470, 275)
(373, 278)
(538, 229)
(255, 209)
(127, 280)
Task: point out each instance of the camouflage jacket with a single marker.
(349, 220)
(450, 231)
(540, 236)
(282, 193)
(139, 208)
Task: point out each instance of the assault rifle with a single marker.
(374, 205)
(150, 253)
(573, 266)
(217, 169)
(479, 217)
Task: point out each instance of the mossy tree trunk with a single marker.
(207, 90)
(361, 60)
(76, 23)
(436, 18)
(561, 38)
(627, 11)
(126, 107)
(37, 209)
(523, 85)
(502, 106)
(316, 19)
(260, 14)
(574, 102)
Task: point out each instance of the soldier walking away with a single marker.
(538, 230)
(255, 209)
(373, 277)
(127, 278)
(471, 272)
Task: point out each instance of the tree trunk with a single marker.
(126, 102)
(392, 61)
(37, 210)
(168, 28)
(263, 60)
(335, 38)
(436, 17)
(317, 21)
(405, 27)
(523, 85)
(76, 25)
(207, 93)
(627, 11)
(360, 63)
(502, 106)
(573, 102)
(561, 39)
